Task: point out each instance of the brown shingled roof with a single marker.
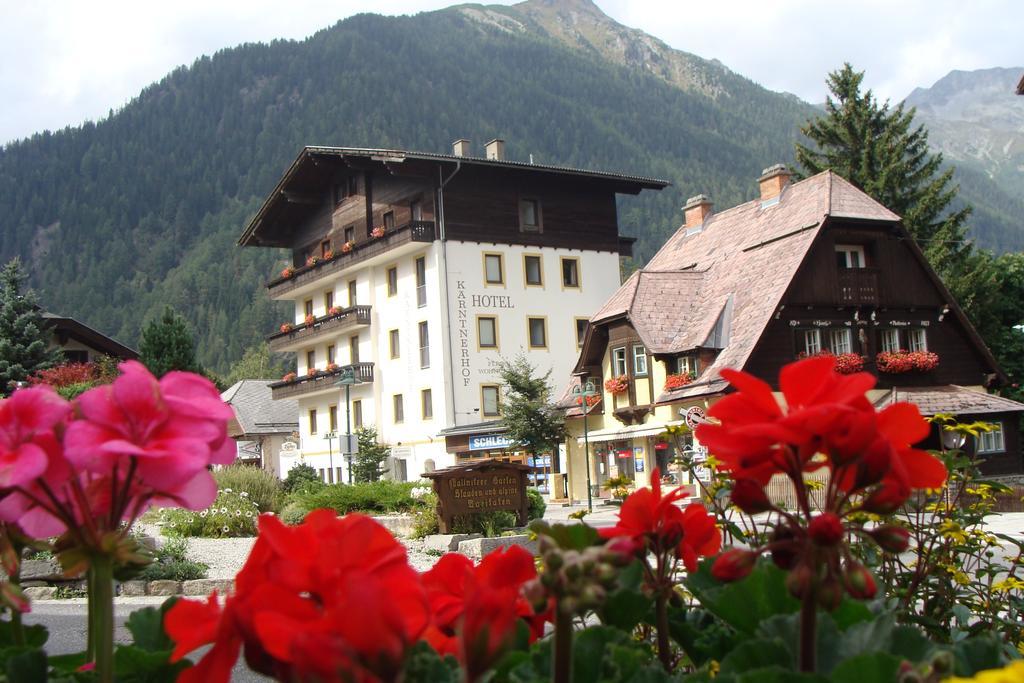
(951, 399)
(737, 267)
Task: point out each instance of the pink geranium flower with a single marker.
(27, 422)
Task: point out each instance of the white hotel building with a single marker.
(420, 272)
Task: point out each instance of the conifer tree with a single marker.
(879, 149)
(167, 345)
(526, 411)
(24, 339)
(369, 464)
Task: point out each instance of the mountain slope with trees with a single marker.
(120, 218)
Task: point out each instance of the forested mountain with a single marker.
(118, 218)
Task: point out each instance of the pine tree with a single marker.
(880, 150)
(526, 410)
(256, 363)
(167, 345)
(24, 339)
(368, 463)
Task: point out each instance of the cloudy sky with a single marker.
(65, 61)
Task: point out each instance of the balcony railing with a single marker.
(348, 318)
(319, 382)
(857, 286)
(415, 231)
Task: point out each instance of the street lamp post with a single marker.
(347, 379)
(584, 392)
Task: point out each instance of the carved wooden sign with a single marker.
(475, 487)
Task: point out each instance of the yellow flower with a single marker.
(1011, 583)
(953, 531)
(713, 668)
(1011, 673)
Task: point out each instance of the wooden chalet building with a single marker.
(808, 267)
(81, 343)
(419, 272)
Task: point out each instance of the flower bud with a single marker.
(734, 564)
(748, 496)
(554, 560)
(885, 499)
(783, 548)
(535, 594)
(591, 596)
(942, 662)
(605, 573)
(12, 596)
(891, 538)
(799, 581)
(621, 551)
(830, 593)
(858, 581)
(826, 529)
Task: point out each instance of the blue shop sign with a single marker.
(488, 442)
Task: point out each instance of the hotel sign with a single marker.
(479, 487)
(487, 442)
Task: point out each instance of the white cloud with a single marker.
(64, 61)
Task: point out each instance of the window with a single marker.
(840, 340)
(570, 273)
(350, 233)
(393, 281)
(332, 418)
(850, 256)
(400, 470)
(310, 360)
(421, 282)
(890, 340)
(357, 413)
(812, 342)
(328, 301)
(337, 471)
(325, 247)
(538, 328)
(532, 271)
(916, 339)
(307, 306)
(489, 400)
(619, 361)
(76, 356)
(312, 421)
(529, 215)
(581, 331)
(424, 345)
(427, 404)
(346, 188)
(639, 361)
(398, 408)
(416, 210)
(487, 332)
(389, 220)
(330, 354)
(393, 344)
(353, 349)
(330, 475)
(992, 442)
(494, 269)
(351, 292)
(688, 365)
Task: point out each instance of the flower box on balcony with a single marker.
(347, 248)
(287, 272)
(377, 232)
(896, 362)
(290, 377)
(334, 310)
(312, 261)
(678, 381)
(309, 319)
(591, 400)
(287, 327)
(617, 385)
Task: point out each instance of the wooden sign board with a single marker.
(483, 486)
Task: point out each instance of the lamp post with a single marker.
(347, 379)
(583, 392)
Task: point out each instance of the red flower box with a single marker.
(591, 401)
(849, 363)
(287, 327)
(334, 310)
(310, 319)
(312, 261)
(896, 362)
(678, 381)
(329, 254)
(617, 385)
(331, 367)
(377, 232)
(290, 377)
(347, 248)
(287, 272)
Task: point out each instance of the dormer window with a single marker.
(688, 365)
(850, 256)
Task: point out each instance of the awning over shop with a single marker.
(951, 399)
(630, 432)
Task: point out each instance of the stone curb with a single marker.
(478, 548)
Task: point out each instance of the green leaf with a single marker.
(568, 536)
(626, 606)
(850, 612)
(424, 665)
(756, 654)
(35, 634)
(785, 628)
(134, 665)
(743, 604)
(874, 667)
(910, 644)
(147, 627)
(588, 651)
(29, 666)
(868, 636)
(700, 634)
(68, 663)
(975, 654)
(777, 674)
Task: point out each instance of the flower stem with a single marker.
(562, 665)
(808, 631)
(101, 604)
(661, 615)
(17, 628)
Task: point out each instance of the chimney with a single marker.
(773, 179)
(460, 147)
(696, 210)
(496, 149)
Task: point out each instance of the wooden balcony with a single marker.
(302, 335)
(416, 231)
(857, 286)
(322, 381)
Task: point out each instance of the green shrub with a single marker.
(302, 477)
(374, 498)
(232, 514)
(293, 513)
(172, 563)
(425, 517)
(535, 505)
(262, 487)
